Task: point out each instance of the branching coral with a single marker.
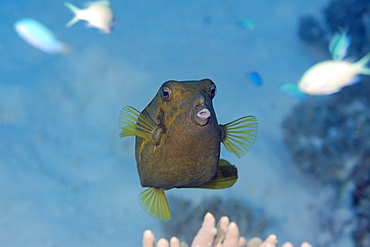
(252, 219)
(225, 234)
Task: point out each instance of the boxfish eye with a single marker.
(166, 93)
(212, 90)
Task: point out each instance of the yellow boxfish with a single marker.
(178, 142)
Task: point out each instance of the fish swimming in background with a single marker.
(339, 44)
(292, 90)
(178, 142)
(98, 14)
(247, 23)
(331, 76)
(255, 78)
(39, 36)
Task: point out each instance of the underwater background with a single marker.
(67, 179)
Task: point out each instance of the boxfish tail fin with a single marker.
(239, 136)
(74, 10)
(133, 123)
(154, 203)
(226, 176)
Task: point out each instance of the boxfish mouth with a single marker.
(201, 115)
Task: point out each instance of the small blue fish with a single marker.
(292, 90)
(39, 36)
(339, 44)
(255, 78)
(247, 23)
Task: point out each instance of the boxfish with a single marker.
(178, 142)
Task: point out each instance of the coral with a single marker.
(328, 140)
(187, 216)
(328, 136)
(225, 235)
(325, 135)
(334, 215)
(310, 30)
(361, 201)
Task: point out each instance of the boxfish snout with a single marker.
(201, 113)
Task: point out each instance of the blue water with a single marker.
(67, 179)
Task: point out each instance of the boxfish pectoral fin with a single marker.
(239, 136)
(226, 176)
(154, 202)
(133, 123)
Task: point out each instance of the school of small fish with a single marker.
(97, 14)
(325, 77)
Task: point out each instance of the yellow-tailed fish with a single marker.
(331, 76)
(178, 142)
(98, 14)
(339, 44)
(39, 36)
